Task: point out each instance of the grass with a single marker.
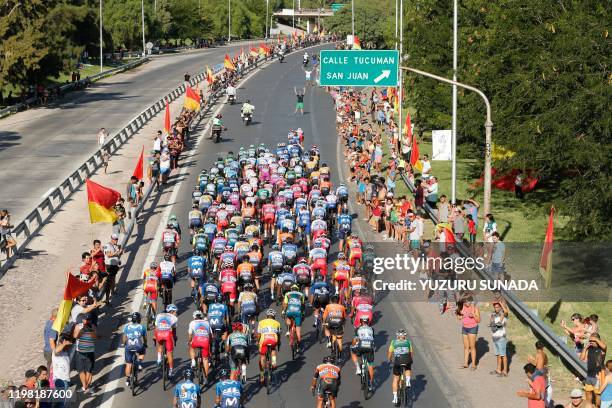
(517, 227)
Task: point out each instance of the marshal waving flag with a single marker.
(228, 63)
(192, 100)
(356, 43)
(100, 201)
(74, 289)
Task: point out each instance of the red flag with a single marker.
(139, 170)
(76, 287)
(415, 156)
(167, 119)
(546, 258)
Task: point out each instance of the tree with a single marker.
(371, 21)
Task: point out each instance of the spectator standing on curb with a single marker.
(497, 323)
(432, 193)
(444, 209)
(416, 230)
(158, 142)
(5, 232)
(49, 337)
(490, 226)
(605, 389)
(105, 160)
(469, 315)
(577, 333)
(594, 354)
(518, 186)
(419, 195)
(132, 195)
(61, 365)
(119, 224)
(426, 172)
(537, 385)
(85, 356)
(471, 229)
(30, 379)
(459, 223)
(498, 256)
(102, 135)
(82, 306)
(112, 252)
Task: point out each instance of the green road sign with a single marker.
(359, 68)
(337, 6)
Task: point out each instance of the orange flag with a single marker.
(100, 201)
(210, 78)
(228, 63)
(139, 170)
(415, 160)
(192, 99)
(356, 43)
(408, 128)
(74, 288)
(167, 124)
(546, 258)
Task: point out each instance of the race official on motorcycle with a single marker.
(247, 108)
(217, 125)
(230, 91)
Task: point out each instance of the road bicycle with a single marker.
(293, 341)
(165, 368)
(134, 377)
(365, 376)
(402, 389)
(149, 314)
(268, 370)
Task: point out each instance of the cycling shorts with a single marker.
(131, 356)
(400, 361)
(336, 329)
(238, 354)
(321, 265)
(166, 337)
(150, 291)
(354, 254)
(203, 343)
(268, 219)
(368, 352)
(268, 340)
(319, 302)
(275, 270)
(167, 283)
(296, 317)
(229, 287)
(195, 223)
(327, 385)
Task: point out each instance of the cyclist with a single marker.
(228, 278)
(284, 281)
(196, 266)
(187, 393)
(343, 194)
(344, 227)
(228, 393)
(401, 354)
(195, 218)
(293, 310)
(303, 274)
(327, 381)
(268, 211)
(289, 251)
(268, 331)
(151, 285)
(318, 260)
(319, 298)
(218, 316)
(165, 335)
(237, 346)
(363, 344)
(334, 316)
(199, 338)
(209, 291)
(246, 272)
(342, 274)
(135, 341)
(357, 283)
(275, 265)
(247, 303)
(354, 245)
(303, 217)
(168, 277)
(170, 240)
(362, 305)
(173, 221)
(199, 242)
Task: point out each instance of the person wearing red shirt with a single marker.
(537, 388)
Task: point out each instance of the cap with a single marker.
(114, 236)
(32, 373)
(576, 393)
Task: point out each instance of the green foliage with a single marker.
(371, 21)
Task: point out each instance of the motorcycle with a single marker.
(216, 133)
(231, 99)
(246, 118)
(281, 58)
(305, 63)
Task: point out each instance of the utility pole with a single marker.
(144, 46)
(353, 18)
(293, 16)
(396, 18)
(267, 7)
(101, 51)
(229, 20)
(454, 113)
(401, 73)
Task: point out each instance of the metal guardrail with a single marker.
(9, 110)
(37, 218)
(537, 325)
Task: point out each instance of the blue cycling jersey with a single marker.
(187, 393)
(230, 392)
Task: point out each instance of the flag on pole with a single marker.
(139, 170)
(228, 63)
(100, 201)
(210, 77)
(243, 55)
(192, 100)
(415, 160)
(74, 289)
(254, 52)
(408, 128)
(167, 124)
(356, 43)
(262, 50)
(546, 258)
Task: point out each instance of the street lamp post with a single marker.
(353, 18)
(396, 17)
(293, 16)
(401, 74)
(144, 47)
(267, 7)
(488, 130)
(454, 112)
(101, 51)
(229, 20)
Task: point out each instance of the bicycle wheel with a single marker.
(268, 373)
(134, 378)
(401, 389)
(200, 369)
(150, 319)
(164, 371)
(366, 380)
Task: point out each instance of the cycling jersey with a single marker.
(196, 266)
(400, 348)
(199, 328)
(230, 392)
(295, 302)
(135, 334)
(217, 314)
(187, 394)
(269, 330)
(165, 322)
(167, 270)
(365, 336)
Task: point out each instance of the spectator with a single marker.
(444, 209)
(61, 364)
(471, 229)
(605, 389)
(416, 230)
(432, 193)
(426, 171)
(594, 354)
(84, 358)
(377, 212)
(471, 208)
(49, 337)
(419, 195)
(537, 385)
(497, 323)
(576, 333)
(119, 224)
(82, 306)
(157, 142)
(112, 253)
(42, 376)
(102, 135)
(30, 379)
(458, 223)
(164, 165)
(518, 186)
(153, 172)
(5, 232)
(105, 159)
(540, 360)
(132, 195)
(489, 228)
(469, 315)
(498, 256)
(577, 400)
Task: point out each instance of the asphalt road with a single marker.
(41, 147)
(271, 91)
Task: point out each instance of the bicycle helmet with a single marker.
(341, 255)
(271, 313)
(275, 247)
(400, 333)
(219, 235)
(328, 360)
(171, 308)
(153, 265)
(188, 375)
(135, 317)
(364, 319)
(198, 315)
(335, 298)
(302, 260)
(248, 286)
(295, 287)
(236, 327)
(173, 217)
(223, 374)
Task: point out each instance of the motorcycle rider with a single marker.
(217, 125)
(231, 91)
(247, 109)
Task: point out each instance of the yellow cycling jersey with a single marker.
(267, 327)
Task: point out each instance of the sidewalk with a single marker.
(430, 331)
(35, 284)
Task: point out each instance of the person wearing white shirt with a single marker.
(432, 193)
(426, 172)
